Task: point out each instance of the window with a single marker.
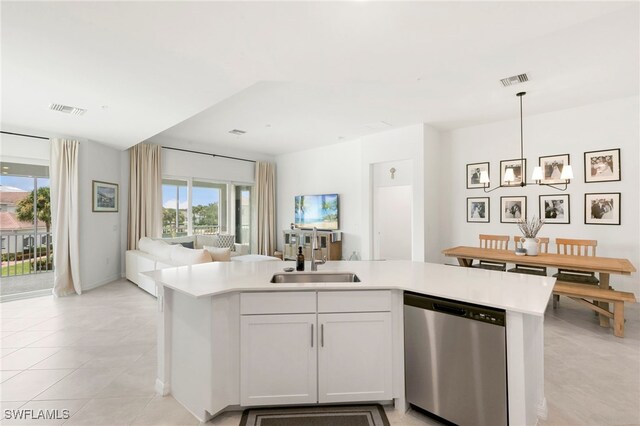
(199, 207)
(174, 208)
(209, 207)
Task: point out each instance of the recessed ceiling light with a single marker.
(380, 125)
(67, 109)
(237, 132)
(5, 167)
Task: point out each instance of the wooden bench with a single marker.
(581, 292)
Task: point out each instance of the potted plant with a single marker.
(530, 229)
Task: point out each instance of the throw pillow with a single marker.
(157, 248)
(188, 245)
(219, 254)
(226, 241)
(145, 244)
(184, 256)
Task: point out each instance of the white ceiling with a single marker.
(297, 75)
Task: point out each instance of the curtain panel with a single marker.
(145, 193)
(266, 207)
(64, 217)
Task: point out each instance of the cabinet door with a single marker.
(354, 357)
(278, 359)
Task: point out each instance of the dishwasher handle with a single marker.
(451, 310)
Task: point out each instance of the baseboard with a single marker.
(100, 283)
(26, 295)
(162, 389)
(542, 410)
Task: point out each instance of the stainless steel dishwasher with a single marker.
(455, 360)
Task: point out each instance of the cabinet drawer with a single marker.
(354, 301)
(278, 302)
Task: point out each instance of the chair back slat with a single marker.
(500, 242)
(543, 244)
(575, 247)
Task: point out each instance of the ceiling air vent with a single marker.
(67, 109)
(237, 132)
(515, 79)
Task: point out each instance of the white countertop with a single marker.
(513, 292)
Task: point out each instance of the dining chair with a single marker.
(575, 247)
(500, 242)
(543, 247)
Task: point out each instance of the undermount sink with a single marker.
(315, 277)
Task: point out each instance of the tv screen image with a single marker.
(320, 211)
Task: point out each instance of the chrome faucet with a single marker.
(315, 248)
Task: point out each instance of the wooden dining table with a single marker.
(603, 266)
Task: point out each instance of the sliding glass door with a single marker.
(25, 229)
(243, 213)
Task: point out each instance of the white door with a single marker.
(354, 357)
(392, 222)
(278, 361)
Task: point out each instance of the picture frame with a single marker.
(478, 210)
(512, 209)
(473, 174)
(602, 208)
(602, 166)
(519, 167)
(552, 166)
(104, 197)
(555, 208)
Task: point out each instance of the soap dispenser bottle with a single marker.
(300, 260)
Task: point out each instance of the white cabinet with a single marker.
(278, 359)
(342, 352)
(354, 357)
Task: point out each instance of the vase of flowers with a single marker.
(529, 229)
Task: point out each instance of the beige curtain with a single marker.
(64, 216)
(266, 207)
(145, 193)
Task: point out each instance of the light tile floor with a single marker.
(95, 355)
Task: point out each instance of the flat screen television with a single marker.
(321, 211)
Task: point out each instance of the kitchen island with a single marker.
(229, 338)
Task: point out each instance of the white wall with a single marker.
(325, 170)
(436, 168)
(100, 247)
(406, 143)
(347, 169)
(185, 164)
(612, 124)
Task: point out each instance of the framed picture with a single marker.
(473, 174)
(519, 168)
(602, 208)
(105, 196)
(552, 166)
(602, 166)
(555, 208)
(478, 209)
(512, 209)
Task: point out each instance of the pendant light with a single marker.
(537, 176)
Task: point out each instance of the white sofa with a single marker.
(169, 252)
